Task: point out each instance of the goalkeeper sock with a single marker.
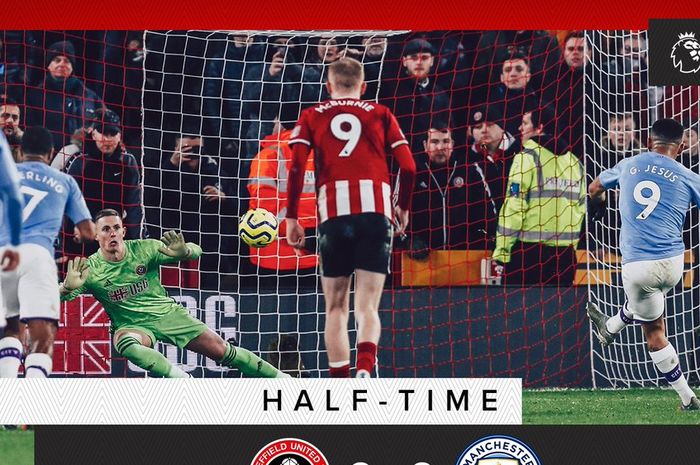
(10, 356)
(366, 356)
(149, 359)
(666, 360)
(340, 369)
(249, 364)
(37, 365)
(617, 323)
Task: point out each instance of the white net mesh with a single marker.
(620, 107)
(222, 93)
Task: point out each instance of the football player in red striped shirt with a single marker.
(350, 139)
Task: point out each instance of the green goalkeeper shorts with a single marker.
(176, 327)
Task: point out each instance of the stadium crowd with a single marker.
(218, 109)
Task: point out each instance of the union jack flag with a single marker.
(83, 344)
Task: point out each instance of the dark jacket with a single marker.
(416, 106)
(487, 177)
(439, 210)
(513, 103)
(568, 105)
(111, 182)
(61, 106)
(183, 196)
(262, 97)
(223, 84)
(541, 48)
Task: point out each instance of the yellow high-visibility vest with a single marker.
(545, 203)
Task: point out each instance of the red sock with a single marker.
(366, 356)
(340, 372)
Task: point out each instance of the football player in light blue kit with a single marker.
(655, 193)
(31, 292)
(11, 204)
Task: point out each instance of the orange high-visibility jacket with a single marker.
(268, 189)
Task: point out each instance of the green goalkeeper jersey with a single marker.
(132, 284)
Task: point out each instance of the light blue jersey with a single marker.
(655, 194)
(10, 196)
(48, 193)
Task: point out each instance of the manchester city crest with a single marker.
(498, 450)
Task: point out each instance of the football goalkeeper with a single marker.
(124, 277)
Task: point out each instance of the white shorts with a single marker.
(646, 284)
(31, 291)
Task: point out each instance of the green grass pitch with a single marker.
(16, 447)
(638, 406)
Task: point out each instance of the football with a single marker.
(258, 227)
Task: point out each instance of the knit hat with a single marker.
(63, 48)
(490, 113)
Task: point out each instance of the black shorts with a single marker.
(355, 242)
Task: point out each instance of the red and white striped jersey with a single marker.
(350, 139)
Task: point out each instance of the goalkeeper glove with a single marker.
(596, 207)
(175, 245)
(76, 274)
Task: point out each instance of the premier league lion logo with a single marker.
(686, 53)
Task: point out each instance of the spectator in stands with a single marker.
(631, 55)
(415, 99)
(370, 51)
(268, 190)
(621, 140)
(108, 176)
(265, 86)
(70, 152)
(690, 157)
(569, 89)
(223, 83)
(539, 47)
(321, 53)
(513, 93)
(628, 72)
(62, 102)
(10, 119)
(489, 160)
(690, 139)
(439, 207)
(576, 52)
(196, 200)
(19, 62)
(539, 224)
(327, 50)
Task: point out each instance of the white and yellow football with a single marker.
(258, 227)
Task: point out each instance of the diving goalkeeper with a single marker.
(124, 277)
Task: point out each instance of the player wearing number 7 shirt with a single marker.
(655, 192)
(30, 293)
(350, 139)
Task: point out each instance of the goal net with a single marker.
(620, 107)
(233, 91)
(208, 129)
